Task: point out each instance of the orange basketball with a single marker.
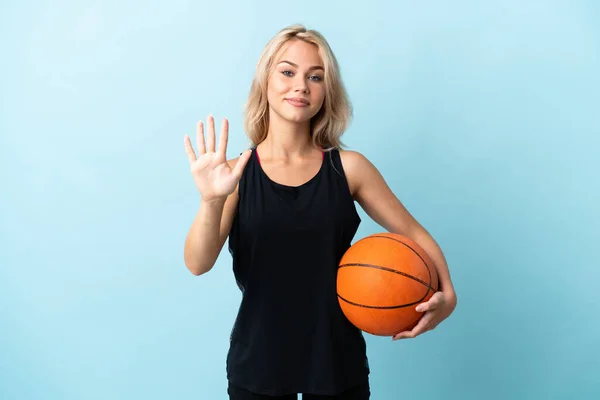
(381, 279)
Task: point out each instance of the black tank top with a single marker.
(290, 335)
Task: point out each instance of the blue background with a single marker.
(482, 116)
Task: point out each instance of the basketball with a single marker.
(381, 279)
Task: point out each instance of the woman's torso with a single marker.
(290, 335)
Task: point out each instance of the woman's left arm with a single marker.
(370, 190)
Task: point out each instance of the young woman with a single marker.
(287, 207)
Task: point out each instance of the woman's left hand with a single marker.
(436, 309)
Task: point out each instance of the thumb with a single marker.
(241, 163)
(422, 307)
(431, 304)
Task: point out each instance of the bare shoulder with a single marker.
(352, 159)
(357, 168)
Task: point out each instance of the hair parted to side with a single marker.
(330, 123)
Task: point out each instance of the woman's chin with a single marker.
(298, 116)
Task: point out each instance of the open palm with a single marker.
(213, 176)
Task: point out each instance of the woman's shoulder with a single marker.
(357, 168)
(353, 160)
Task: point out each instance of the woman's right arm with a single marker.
(217, 181)
(208, 232)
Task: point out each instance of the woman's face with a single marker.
(295, 89)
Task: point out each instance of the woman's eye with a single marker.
(289, 73)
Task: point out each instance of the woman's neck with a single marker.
(286, 139)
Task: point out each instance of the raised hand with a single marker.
(213, 176)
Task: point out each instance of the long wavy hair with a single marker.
(330, 122)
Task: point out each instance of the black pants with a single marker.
(359, 392)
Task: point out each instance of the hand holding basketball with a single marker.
(388, 285)
(436, 309)
(381, 279)
(213, 176)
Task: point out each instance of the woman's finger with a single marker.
(210, 140)
(241, 163)
(224, 138)
(188, 149)
(421, 327)
(433, 303)
(200, 138)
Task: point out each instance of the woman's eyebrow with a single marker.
(296, 65)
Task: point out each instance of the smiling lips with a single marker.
(298, 102)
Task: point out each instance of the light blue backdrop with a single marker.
(484, 117)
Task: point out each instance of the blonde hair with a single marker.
(330, 122)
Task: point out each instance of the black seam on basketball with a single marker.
(413, 250)
(380, 307)
(427, 285)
